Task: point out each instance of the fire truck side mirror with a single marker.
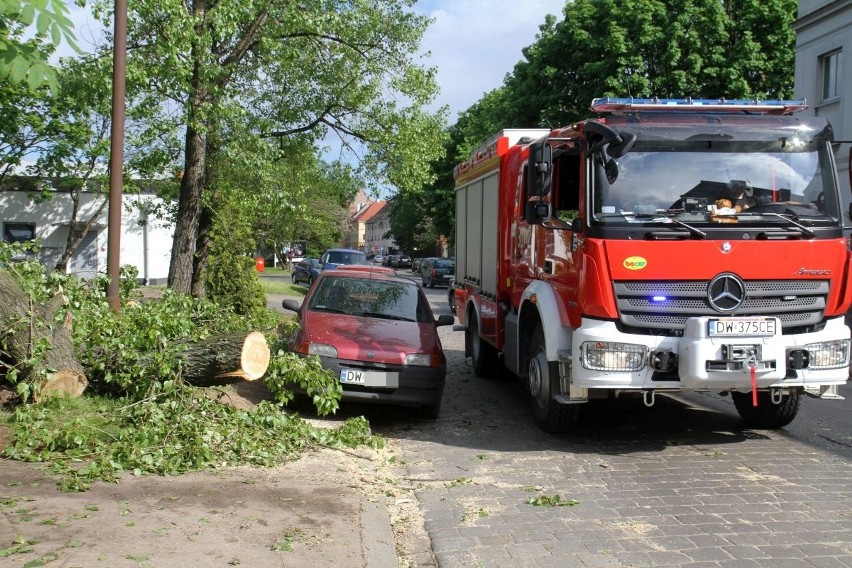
(618, 149)
(539, 167)
(537, 212)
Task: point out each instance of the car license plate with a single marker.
(741, 327)
(352, 377)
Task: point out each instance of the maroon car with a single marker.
(375, 331)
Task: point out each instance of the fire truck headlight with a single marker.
(612, 356)
(828, 354)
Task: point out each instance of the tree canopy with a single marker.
(329, 69)
(640, 48)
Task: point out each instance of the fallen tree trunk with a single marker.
(225, 358)
(24, 328)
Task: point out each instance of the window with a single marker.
(831, 75)
(18, 232)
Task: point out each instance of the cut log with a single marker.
(225, 358)
(23, 326)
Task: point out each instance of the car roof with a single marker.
(344, 250)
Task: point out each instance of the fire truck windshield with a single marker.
(708, 181)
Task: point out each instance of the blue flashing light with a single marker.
(753, 106)
(659, 298)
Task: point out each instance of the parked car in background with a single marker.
(376, 332)
(306, 270)
(388, 260)
(415, 264)
(402, 261)
(332, 258)
(437, 271)
(378, 259)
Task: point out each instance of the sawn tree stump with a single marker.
(23, 327)
(225, 358)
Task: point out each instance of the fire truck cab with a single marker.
(671, 245)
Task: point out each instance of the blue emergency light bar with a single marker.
(753, 106)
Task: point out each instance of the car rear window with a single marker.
(445, 264)
(347, 257)
(370, 297)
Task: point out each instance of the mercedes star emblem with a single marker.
(726, 292)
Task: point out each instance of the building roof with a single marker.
(368, 212)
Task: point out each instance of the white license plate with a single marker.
(352, 377)
(741, 327)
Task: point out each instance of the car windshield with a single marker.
(702, 181)
(371, 298)
(346, 257)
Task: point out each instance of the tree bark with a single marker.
(23, 326)
(189, 212)
(192, 183)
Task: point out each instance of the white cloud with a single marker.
(474, 43)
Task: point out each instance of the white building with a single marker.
(145, 241)
(824, 72)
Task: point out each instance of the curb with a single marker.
(376, 536)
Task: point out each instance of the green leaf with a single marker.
(27, 14)
(19, 69)
(43, 22)
(55, 33)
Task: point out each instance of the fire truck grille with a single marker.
(667, 305)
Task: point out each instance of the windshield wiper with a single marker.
(328, 309)
(667, 217)
(789, 218)
(381, 315)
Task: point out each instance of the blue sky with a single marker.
(474, 43)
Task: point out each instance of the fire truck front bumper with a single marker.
(714, 354)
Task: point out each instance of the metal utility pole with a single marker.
(116, 161)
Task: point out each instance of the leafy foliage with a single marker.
(231, 278)
(138, 415)
(177, 430)
(27, 60)
(552, 501)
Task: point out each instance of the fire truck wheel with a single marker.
(482, 354)
(543, 378)
(767, 414)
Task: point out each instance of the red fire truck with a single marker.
(668, 246)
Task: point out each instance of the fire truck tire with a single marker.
(767, 414)
(483, 355)
(543, 378)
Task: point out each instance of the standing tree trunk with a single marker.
(195, 165)
(205, 223)
(189, 213)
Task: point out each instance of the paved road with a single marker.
(680, 484)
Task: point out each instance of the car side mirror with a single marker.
(444, 320)
(292, 305)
